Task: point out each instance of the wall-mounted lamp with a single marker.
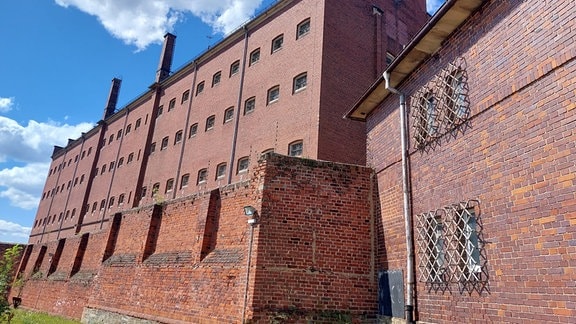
(249, 211)
(252, 213)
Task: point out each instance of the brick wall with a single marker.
(514, 154)
(185, 260)
(314, 247)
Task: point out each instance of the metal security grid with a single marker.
(450, 247)
(442, 105)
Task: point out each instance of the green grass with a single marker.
(28, 317)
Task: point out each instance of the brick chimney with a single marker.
(112, 98)
(166, 57)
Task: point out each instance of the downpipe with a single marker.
(409, 303)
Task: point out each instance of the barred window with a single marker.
(303, 28)
(235, 68)
(273, 94)
(200, 88)
(185, 180)
(216, 78)
(300, 82)
(442, 105)
(228, 114)
(202, 176)
(449, 246)
(172, 104)
(255, 56)
(249, 105)
(277, 43)
(243, 164)
(220, 171)
(185, 96)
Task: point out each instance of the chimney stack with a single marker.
(166, 58)
(112, 98)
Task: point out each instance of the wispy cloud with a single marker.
(6, 104)
(143, 22)
(433, 5)
(12, 232)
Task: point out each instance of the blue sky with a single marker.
(57, 62)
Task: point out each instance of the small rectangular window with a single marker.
(249, 105)
(273, 95)
(184, 181)
(152, 147)
(178, 137)
(138, 122)
(169, 185)
(303, 28)
(164, 144)
(295, 148)
(221, 171)
(172, 104)
(255, 56)
(185, 96)
(160, 111)
(243, 164)
(277, 43)
(300, 82)
(216, 78)
(210, 122)
(193, 130)
(202, 176)
(200, 88)
(229, 114)
(235, 68)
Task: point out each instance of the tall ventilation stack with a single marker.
(112, 98)
(166, 58)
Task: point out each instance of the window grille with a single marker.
(450, 247)
(442, 105)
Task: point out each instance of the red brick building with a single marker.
(280, 83)
(484, 183)
(142, 216)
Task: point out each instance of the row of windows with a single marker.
(273, 95)
(277, 43)
(63, 165)
(58, 189)
(111, 203)
(126, 132)
(294, 149)
(51, 220)
(113, 164)
(85, 153)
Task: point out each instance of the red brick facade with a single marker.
(156, 147)
(513, 154)
(186, 260)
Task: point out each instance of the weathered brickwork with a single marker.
(185, 259)
(514, 154)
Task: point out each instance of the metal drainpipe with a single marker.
(409, 304)
(247, 285)
(238, 109)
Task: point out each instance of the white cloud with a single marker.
(6, 104)
(143, 22)
(34, 142)
(12, 232)
(433, 5)
(32, 146)
(23, 184)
